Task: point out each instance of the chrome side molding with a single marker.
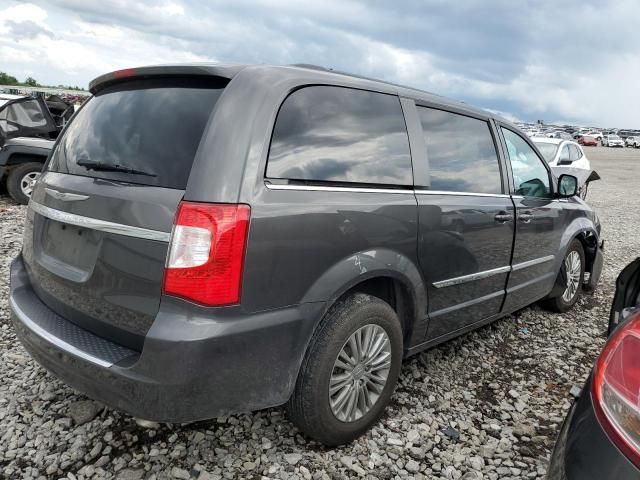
(471, 277)
(494, 271)
(322, 188)
(531, 263)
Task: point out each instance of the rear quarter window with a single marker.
(151, 126)
(340, 135)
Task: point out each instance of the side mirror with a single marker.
(567, 186)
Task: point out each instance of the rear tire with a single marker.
(20, 181)
(369, 380)
(573, 273)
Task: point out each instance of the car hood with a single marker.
(30, 142)
(583, 175)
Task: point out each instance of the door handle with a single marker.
(525, 217)
(503, 217)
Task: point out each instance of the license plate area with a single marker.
(67, 250)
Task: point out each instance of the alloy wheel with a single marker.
(573, 267)
(360, 373)
(28, 181)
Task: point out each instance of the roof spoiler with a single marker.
(226, 72)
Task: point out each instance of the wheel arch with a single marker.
(19, 158)
(383, 273)
(583, 230)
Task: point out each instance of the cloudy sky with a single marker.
(571, 60)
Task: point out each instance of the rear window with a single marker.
(340, 135)
(548, 150)
(574, 153)
(143, 131)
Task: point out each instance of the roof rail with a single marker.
(311, 66)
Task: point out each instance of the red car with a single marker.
(588, 141)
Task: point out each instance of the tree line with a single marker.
(6, 79)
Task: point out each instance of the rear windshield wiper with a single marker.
(110, 167)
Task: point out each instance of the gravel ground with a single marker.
(484, 406)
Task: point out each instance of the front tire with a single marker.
(572, 275)
(21, 180)
(349, 371)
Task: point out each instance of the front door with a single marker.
(465, 221)
(540, 221)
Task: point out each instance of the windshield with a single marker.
(148, 126)
(548, 150)
(614, 137)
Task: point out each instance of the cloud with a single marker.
(26, 29)
(576, 60)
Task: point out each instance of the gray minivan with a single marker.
(208, 239)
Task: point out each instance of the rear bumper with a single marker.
(583, 450)
(195, 364)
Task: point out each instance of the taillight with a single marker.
(206, 253)
(616, 388)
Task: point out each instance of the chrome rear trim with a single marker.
(96, 224)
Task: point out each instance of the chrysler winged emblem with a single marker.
(65, 196)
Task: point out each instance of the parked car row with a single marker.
(586, 136)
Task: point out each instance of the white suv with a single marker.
(612, 141)
(632, 142)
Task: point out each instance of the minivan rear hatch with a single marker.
(100, 220)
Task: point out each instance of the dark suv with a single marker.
(214, 239)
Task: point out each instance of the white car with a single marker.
(559, 153)
(612, 141)
(632, 142)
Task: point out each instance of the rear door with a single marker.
(25, 117)
(465, 220)
(100, 219)
(540, 223)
